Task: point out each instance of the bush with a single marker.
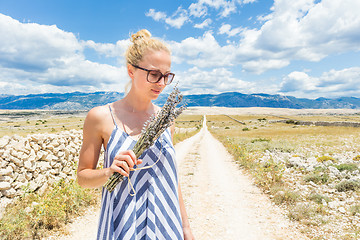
(317, 178)
(355, 209)
(357, 158)
(348, 185)
(246, 129)
(260, 140)
(318, 198)
(347, 166)
(324, 159)
(286, 196)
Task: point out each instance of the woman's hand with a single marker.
(123, 163)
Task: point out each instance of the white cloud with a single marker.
(334, 83)
(226, 29)
(204, 51)
(156, 15)
(178, 19)
(198, 10)
(248, 1)
(204, 24)
(38, 56)
(197, 81)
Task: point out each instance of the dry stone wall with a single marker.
(37, 161)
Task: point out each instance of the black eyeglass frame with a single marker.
(162, 75)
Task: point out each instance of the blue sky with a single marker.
(302, 48)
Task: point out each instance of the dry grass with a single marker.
(281, 133)
(192, 122)
(32, 216)
(40, 125)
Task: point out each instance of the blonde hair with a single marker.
(142, 42)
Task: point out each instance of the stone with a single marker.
(10, 193)
(5, 186)
(42, 189)
(18, 162)
(29, 166)
(43, 166)
(67, 170)
(50, 157)
(4, 141)
(342, 210)
(32, 156)
(6, 172)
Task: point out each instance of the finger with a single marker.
(125, 158)
(129, 161)
(132, 155)
(124, 165)
(120, 170)
(139, 161)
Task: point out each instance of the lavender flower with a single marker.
(152, 130)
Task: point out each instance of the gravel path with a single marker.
(221, 200)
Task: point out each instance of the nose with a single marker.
(161, 82)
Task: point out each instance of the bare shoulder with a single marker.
(98, 117)
(96, 114)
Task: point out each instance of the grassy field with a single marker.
(24, 123)
(311, 171)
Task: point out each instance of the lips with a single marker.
(156, 91)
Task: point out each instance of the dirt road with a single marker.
(221, 201)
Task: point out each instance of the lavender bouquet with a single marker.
(152, 130)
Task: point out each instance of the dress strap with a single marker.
(112, 115)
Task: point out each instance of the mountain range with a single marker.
(84, 101)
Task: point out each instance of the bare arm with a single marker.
(87, 174)
(93, 137)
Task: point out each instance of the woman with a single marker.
(157, 209)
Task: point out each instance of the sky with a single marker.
(302, 48)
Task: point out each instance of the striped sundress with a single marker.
(154, 211)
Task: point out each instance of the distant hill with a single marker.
(84, 101)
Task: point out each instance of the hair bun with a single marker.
(143, 33)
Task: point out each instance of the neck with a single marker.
(136, 103)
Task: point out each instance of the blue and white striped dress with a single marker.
(154, 212)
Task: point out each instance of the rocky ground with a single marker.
(328, 197)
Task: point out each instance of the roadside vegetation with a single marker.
(33, 216)
(310, 171)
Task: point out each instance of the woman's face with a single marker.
(153, 60)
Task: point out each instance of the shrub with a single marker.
(318, 198)
(355, 209)
(348, 185)
(302, 212)
(246, 129)
(317, 177)
(356, 158)
(347, 166)
(260, 140)
(269, 174)
(286, 196)
(324, 159)
(227, 127)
